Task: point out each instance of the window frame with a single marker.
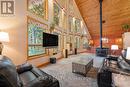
(46, 10)
(71, 24)
(60, 14)
(37, 55)
(71, 4)
(76, 25)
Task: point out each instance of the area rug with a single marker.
(93, 73)
(62, 70)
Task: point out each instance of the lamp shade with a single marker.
(4, 37)
(128, 53)
(114, 47)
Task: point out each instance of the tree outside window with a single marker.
(38, 7)
(35, 38)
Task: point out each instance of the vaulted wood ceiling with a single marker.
(115, 13)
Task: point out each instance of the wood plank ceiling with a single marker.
(115, 13)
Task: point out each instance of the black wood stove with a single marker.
(103, 52)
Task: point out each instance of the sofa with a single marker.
(124, 63)
(104, 76)
(24, 75)
(111, 66)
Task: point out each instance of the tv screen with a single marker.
(50, 40)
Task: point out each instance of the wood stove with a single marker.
(103, 52)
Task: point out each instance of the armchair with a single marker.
(25, 75)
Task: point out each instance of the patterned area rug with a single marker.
(62, 70)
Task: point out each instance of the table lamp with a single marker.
(4, 37)
(114, 48)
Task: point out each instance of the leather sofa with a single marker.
(24, 75)
(122, 66)
(104, 76)
(124, 63)
(104, 79)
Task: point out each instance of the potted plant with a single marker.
(126, 27)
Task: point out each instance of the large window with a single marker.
(70, 24)
(77, 25)
(64, 21)
(57, 49)
(71, 7)
(38, 7)
(77, 42)
(35, 37)
(57, 14)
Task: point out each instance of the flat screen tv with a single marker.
(50, 40)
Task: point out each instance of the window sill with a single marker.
(36, 56)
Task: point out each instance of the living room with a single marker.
(68, 41)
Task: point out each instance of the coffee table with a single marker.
(82, 66)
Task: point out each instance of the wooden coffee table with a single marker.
(82, 66)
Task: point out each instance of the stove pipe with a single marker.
(100, 1)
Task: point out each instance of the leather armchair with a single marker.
(104, 79)
(24, 75)
(104, 76)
